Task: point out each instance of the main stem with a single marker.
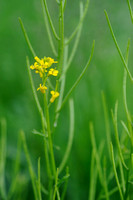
(61, 35)
(49, 136)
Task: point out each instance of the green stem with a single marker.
(49, 136)
(61, 41)
(78, 79)
(75, 43)
(115, 172)
(80, 22)
(71, 134)
(48, 30)
(130, 10)
(50, 20)
(26, 38)
(31, 170)
(114, 117)
(3, 157)
(117, 46)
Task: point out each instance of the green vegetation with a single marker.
(72, 136)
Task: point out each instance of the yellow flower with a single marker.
(53, 72)
(42, 88)
(41, 65)
(49, 61)
(54, 95)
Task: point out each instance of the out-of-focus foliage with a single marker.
(105, 73)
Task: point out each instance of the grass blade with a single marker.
(115, 172)
(31, 171)
(130, 10)
(107, 126)
(3, 157)
(117, 46)
(125, 128)
(71, 134)
(99, 168)
(65, 185)
(78, 79)
(16, 170)
(105, 179)
(122, 176)
(94, 173)
(39, 181)
(26, 38)
(114, 117)
(56, 184)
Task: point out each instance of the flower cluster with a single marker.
(44, 69)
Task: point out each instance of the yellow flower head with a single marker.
(54, 95)
(49, 61)
(41, 65)
(42, 88)
(53, 72)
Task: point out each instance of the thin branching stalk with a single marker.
(130, 10)
(48, 30)
(107, 126)
(78, 79)
(105, 179)
(16, 170)
(75, 43)
(61, 41)
(3, 158)
(64, 5)
(65, 185)
(56, 184)
(62, 86)
(49, 136)
(93, 177)
(115, 172)
(94, 172)
(99, 168)
(31, 170)
(122, 176)
(80, 22)
(117, 46)
(114, 117)
(71, 134)
(39, 180)
(50, 21)
(26, 38)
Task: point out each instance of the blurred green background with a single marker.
(105, 73)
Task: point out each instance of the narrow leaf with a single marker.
(3, 157)
(26, 38)
(71, 134)
(114, 117)
(50, 20)
(130, 10)
(117, 46)
(115, 172)
(31, 170)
